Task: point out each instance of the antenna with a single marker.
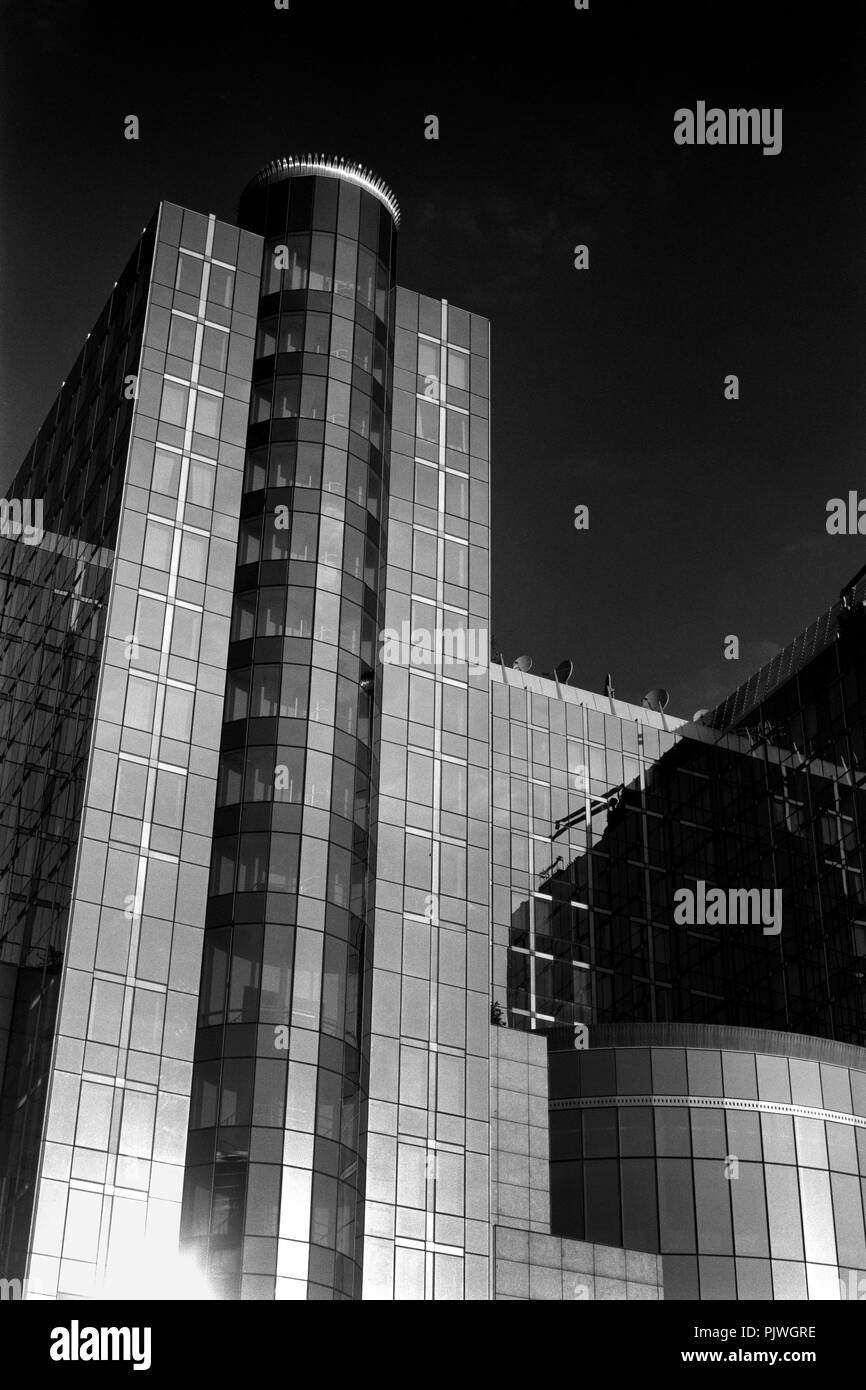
(523, 663)
(608, 685)
(656, 699)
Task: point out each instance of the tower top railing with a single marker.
(333, 167)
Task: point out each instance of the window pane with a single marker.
(221, 286)
(181, 337)
(207, 415)
(458, 370)
(200, 487)
(189, 270)
(291, 333)
(174, 403)
(166, 473)
(266, 338)
(286, 395)
(322, 262)
(157, 545)
(215, 349)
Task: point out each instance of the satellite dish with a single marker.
(656, 699)
(523, 663)
(564, 671)
(700, 716)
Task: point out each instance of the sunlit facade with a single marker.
(281, 849)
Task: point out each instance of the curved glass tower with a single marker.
(275, 1165)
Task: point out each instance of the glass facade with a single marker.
(650, 806)
(279, 844)
(107, 1178)
(56, 559)
(427, 1211)
(741, 1160)
(276, 1156)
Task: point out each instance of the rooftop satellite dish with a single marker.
(523, 663)
(564, 671)
(656, 699)
(700, 716)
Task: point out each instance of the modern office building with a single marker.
(280, 846)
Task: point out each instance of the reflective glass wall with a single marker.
(276, 1158)
(740, 1159)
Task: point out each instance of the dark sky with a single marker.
(707, 517)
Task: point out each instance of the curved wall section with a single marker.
(276, 1161)
(745, 1168)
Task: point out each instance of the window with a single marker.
(272, 273)
(428, 369)
(166, 473)
(458, 369)
(252, 863)
(264, 692)
(181, 337)
(221, 286)
(186, 633)
(363, 357)
(223, 864)
(272, 611)
(360, 419)
(255, 472)
(245, 973)
(250, 540)
(215, 349)
(338, 403)
(266, 338)
(313, 398)
(177, 712)
(169, 798)
(456, 563)
(426, 486)
(230, 778)
(304, 528)
(424, 554)
(293, 696)
(174, 403)
(427, 423)
(188, 278)
(366, 291)
(207, 414)
(299, 612)
(316, 333)
(259, 777)
(286, 395)
(200, 487)
(457, 431)
(457, 495)
(341, 339)
(291, 333)
(282, 464)
(298, 263)
(214, 975)
(157, 545)
(276, 539)
(193, 557)
(344, 270)
(321, 263)
(238, 694)
(260, 409)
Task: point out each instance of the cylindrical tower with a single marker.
(275, 1162)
